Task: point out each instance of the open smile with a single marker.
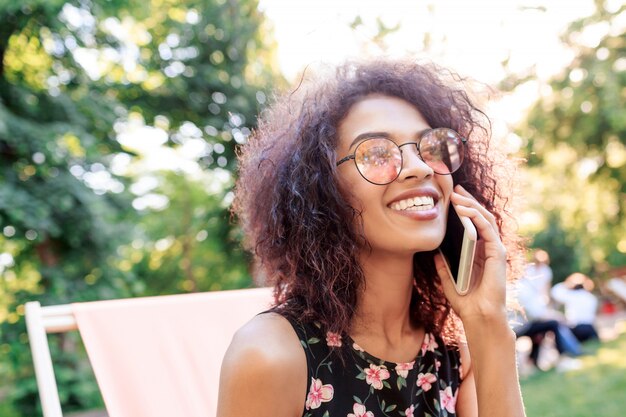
(417, 204)
(414, 204)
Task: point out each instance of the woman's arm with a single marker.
(493, 374)
(490, 340)
(264, 371)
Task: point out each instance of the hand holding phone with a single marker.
(458, 249)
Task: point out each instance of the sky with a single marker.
(471, 37)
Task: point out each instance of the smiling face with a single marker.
(408, 215)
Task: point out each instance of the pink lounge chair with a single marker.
(152, 356)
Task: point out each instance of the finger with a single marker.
(465, 197)
(488, 233)
(485, 228)
(461, 190)
(459, 200)
(479, 210)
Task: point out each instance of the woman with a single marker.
(343, 194)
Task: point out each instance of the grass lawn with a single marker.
(598, 389)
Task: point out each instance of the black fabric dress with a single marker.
(365, 386)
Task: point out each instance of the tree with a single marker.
(76, 77)
(575, 145)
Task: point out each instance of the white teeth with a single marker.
(420, 203)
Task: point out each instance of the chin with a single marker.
(422, 247)
(425, 249)
(401, 242)
(427, 242)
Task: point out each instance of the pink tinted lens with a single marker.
(379, 160)
(442, 149)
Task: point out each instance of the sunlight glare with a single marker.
(472, 37)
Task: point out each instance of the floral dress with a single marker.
(365, 386)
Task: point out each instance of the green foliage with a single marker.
(198, 248)
(565, 255)
(76, 77)
(576, 150)
(75, 379)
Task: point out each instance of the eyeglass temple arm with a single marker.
(347, 158)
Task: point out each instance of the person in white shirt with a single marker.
(580, 305)
(539, 318)
(617, 286)
(538, 275)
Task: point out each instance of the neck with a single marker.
(383, 305)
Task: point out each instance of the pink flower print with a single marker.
(333, 339)
(403, 368)
(357, 347)
(448, 401)
(360, 411)
(375, 375)
(318, 394)
(409, 411)
(437, 364)
(429, 343)
(425, 381)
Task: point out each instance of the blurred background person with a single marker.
(539, 318)
(617, 287)
(539, 275)
(580, 305)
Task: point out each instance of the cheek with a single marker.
(371, 223)
(346, 190)
(351, 186)
(364, 197)
(356, 196)
(446, 184)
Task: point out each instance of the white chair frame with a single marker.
(39, 322)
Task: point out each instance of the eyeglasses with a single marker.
(379, 159)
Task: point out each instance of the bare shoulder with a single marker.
(264, 361)
(270, 336)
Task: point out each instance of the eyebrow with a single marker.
(370, 135)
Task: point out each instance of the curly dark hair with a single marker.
(296, 218)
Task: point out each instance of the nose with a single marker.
(413, 166)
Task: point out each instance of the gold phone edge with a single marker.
(465, 266)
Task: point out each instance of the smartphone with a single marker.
(458, 249)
